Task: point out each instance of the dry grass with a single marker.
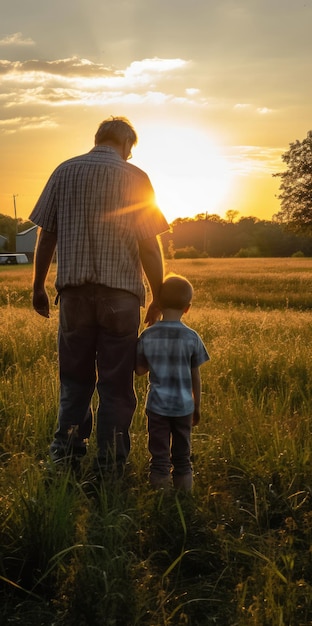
(238, 551)
(270, 283)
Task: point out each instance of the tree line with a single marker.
(208, 236)
(212, 236)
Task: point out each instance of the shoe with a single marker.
(64, 454)
(58, 451)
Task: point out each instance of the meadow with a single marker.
(235, 552)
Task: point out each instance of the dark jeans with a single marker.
(170, 444)
(97, 344)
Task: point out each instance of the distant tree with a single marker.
(8, 229)
(170, 251)
(296, 187)
(201, 216)
(231, 215)
(253, 251)
(189, 252)
(249, 236)
(23, 225)
(214, 217)
(180, 220)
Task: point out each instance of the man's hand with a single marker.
(41, 302)
(153, 314)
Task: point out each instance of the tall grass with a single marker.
(238, 550)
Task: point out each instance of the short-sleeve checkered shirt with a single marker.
(100, 206)
(170, 350)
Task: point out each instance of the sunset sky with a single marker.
(216, 89)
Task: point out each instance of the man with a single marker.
(100, 212)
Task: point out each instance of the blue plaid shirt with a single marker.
(170, 350)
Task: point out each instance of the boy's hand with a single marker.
(153, 314)
(196, 417)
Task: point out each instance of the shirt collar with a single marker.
(107, 150)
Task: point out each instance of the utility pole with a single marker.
(15, 217)
(206, 233)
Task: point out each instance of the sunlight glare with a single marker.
(187, 169)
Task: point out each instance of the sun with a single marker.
(187, 170)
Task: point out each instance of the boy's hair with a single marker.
(116, 129)
(176, 293)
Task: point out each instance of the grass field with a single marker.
(238, 551)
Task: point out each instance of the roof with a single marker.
(25, 232)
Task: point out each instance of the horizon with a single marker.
(198, 217)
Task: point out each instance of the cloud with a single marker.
(73, 66)
(77, 81)
(192, 91)
(254, 159)
(156, 65)
(249, 107)
(16, 39)
(264, 110)
(240, 106)
(14, 124)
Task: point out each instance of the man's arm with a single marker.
(196, 386)
(45, 248)
(152, 262)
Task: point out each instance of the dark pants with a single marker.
(97, 344)
(170, 444)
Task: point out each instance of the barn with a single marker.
(26, 241)
(3, 241)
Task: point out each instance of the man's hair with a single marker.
(176, 292)
(116, 129)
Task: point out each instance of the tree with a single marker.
(8, 230)
(231, 215)
(296, 187)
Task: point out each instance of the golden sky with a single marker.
(216, 89)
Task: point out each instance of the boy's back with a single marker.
(170, 350)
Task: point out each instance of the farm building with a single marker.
(3, 241)
(26, 241)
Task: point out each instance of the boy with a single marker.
(172, 352)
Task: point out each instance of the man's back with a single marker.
(100, 206)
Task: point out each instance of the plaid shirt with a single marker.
(170, 350)
(100, 206)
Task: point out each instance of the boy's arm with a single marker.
(141, 366)
(196, 387)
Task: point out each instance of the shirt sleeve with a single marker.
(200, 354)
(44, 212)
(150, 221)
